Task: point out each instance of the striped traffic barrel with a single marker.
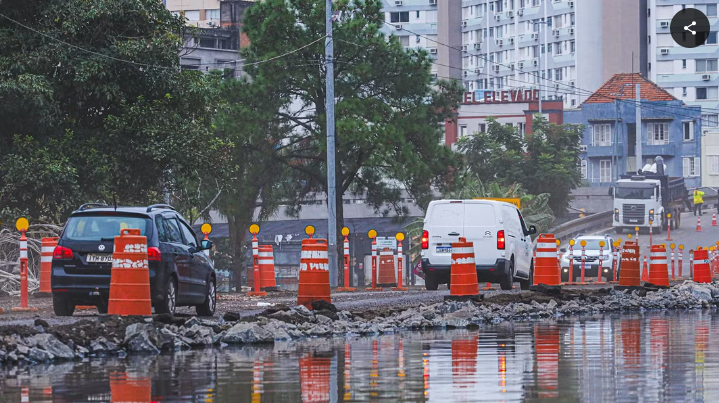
(48, 247)
(658, 269)
(630, 272)
(463, 281)
(314, 281)
(702, 272)
(130, 275)
(546, 268)
(385, 276)
(266, 261)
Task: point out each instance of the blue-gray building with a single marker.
(669, 128)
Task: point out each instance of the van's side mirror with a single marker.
(563, 250)
(206, 244)
(532, 230)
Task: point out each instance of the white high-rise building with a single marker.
(691, 75)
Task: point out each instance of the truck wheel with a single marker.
(507, 281)
(679, 220)
(618, 230)
(430, 283)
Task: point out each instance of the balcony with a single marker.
(663, 149)
(605, 151)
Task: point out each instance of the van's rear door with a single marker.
(445, 224)
(480, 227)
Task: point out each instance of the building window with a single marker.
(701, 93)
(583, 165)
(212, 14)
(404, 41)
(462, 131)
(572, 47)
(657, 133)
(684, 63)
(192, 15)
(690, 166)
(605, 171)
(684, 91)
(710, 120)
(706, 66)
(602, 135)
(558, 74)
(713, 164)
(711, 39)
(712, 11)
(402, 16)
(418, 13)
(688, 130)
(482, 127)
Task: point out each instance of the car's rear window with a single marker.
(592, 244)
(479, 215)
(447, 215)
(95, 228)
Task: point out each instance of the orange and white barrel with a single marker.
(658, 269)
(546, 268)
(48, 247)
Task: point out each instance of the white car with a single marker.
(502, 242)
(591, 258)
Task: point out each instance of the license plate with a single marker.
(633, 220)
(444, 249)
(99, 258)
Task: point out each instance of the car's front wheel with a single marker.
(62, 305)
(208, 307)
(169, 302)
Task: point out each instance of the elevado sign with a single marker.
(500, 97)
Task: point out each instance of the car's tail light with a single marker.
(153, 253)
(62, 253)
(425, 240)
(500, 239)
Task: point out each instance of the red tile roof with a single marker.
(648, 90)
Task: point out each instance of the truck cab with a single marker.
(638, 203)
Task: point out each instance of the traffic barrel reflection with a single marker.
(464, 361)
(315, 378)
(130, 389)
(546, 347)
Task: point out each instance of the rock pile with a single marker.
(121, 336)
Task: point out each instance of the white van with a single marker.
(502, 242)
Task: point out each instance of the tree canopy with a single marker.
(94, 105)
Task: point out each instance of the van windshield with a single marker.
(634, 193)
(97, 228)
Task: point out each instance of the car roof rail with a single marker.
(91, 205)
(165, 206)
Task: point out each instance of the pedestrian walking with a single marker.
(698, 201)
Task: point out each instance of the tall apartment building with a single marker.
(691, 75)
(507, 44)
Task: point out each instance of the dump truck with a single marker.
(647, 198)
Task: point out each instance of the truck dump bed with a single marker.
(673, 188)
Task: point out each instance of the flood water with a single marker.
(614, 358)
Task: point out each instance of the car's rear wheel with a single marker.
(169, 302)
(208, 307)
(507, 281)
(62, 305)
(430, 282)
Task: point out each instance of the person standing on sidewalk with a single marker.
(698, 201)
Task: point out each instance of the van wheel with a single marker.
(618, 230)
(430, 283)
(524, 284)
(507, 281)
(62, 305)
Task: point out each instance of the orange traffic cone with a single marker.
(699, 224)
(267, 268)
(130, 276)
(714, 219)
(629, 275)
(546, 269)
(702, 272)
(314, 282)
(645, 273)
(463, 282)
(659, 272)
(487, 287)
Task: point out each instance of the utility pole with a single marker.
(331, 180)
(539, 64)
(638, 131)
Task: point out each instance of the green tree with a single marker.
(546, 161)
(94, 105)
(388, 111)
